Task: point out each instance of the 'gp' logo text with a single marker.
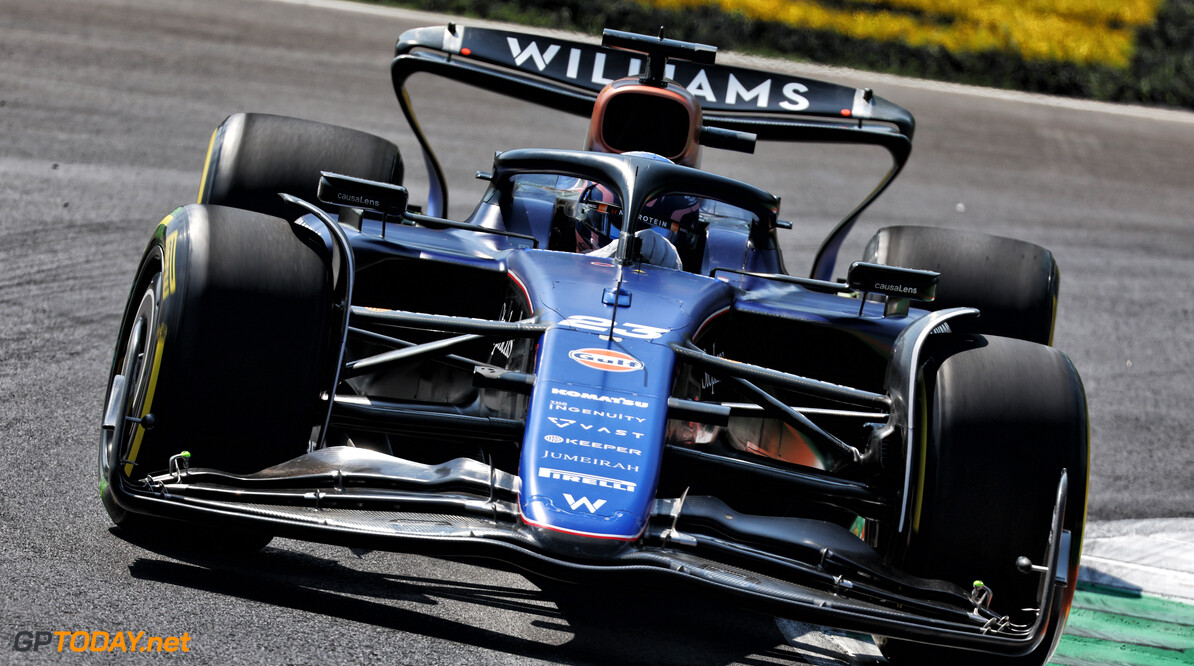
(99, 641)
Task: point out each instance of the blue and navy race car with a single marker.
(607, 369)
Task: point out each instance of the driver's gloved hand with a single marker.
(654, 250)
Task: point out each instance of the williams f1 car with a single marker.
(606, 368)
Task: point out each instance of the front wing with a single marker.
(793, 567)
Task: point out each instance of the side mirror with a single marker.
(385, 198)
(899, 284)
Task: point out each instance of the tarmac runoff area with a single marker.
(1134, 605)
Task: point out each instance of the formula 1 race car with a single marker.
(606, 369)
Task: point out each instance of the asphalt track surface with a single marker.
(106, 107)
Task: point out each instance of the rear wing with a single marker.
(567, 75)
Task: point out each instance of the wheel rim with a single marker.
(134, 367)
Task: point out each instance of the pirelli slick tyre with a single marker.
(219, 349)
(1002, 419)
(254, 156)
(1014, 283)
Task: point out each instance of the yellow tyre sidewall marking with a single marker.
(211, 144)
(160, 231)
(169, 275)
(169, 284)
(145, 409)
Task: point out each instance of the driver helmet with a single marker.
(672, 214)
(600, 213)
(599, 217)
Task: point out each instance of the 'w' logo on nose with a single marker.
(584, 501)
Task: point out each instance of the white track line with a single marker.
(1153, 556)
(426, 18)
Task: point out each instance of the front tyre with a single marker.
(1002, 419)
(220, 351)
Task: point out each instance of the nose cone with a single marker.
(594, 440)
(603, 538)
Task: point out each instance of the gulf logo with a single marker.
(605, 359)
